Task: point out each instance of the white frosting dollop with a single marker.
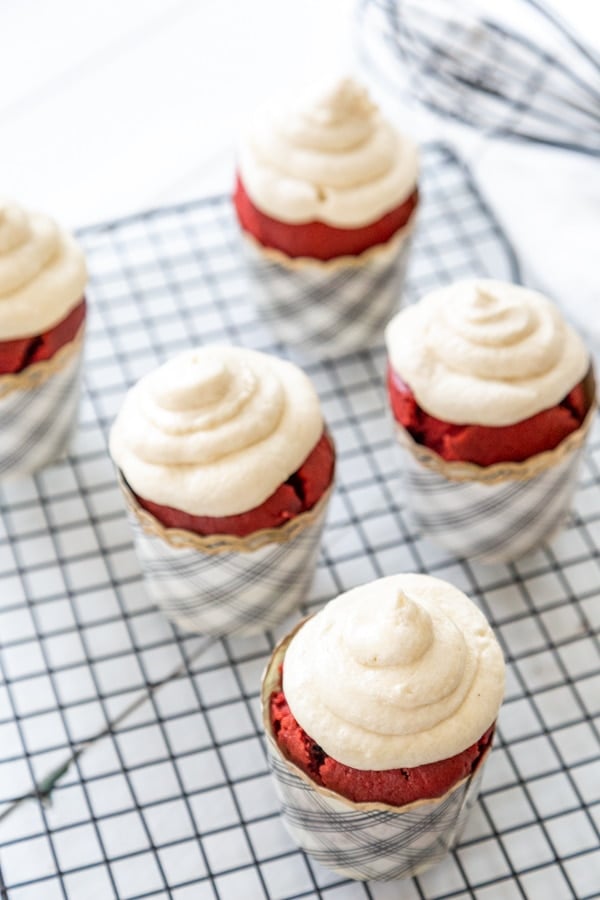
(332, 159)
(42, 273)
(485, 352)
(396, 673)
(215, 431)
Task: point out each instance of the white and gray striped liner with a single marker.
(228, 590)
(330, 308)
(38, 409)
(364, 841)
(495, 521)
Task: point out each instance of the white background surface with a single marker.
(108, 108)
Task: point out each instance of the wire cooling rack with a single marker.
(131, 756)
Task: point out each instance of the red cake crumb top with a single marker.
(317, 240)
(484, 444)
(18, 354)
(396, 787)
(298, 494)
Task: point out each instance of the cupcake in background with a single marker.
(227, 468)
(42, 315)
(492, 393)
(380, 713)
(326, 197)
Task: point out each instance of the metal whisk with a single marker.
(466, 60)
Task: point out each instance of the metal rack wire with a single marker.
(131, 760)
(539, 83)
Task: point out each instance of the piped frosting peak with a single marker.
(487, 353)
(331, 158)
(42, 273)
(396, 673)
(215, 431)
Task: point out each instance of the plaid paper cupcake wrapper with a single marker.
(490, 522)
(332, 308)
(224, 584)
(493, 513)
(38, 409)
(364, 841)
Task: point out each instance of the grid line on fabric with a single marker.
(139, 747)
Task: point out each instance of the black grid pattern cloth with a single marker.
(132, 762)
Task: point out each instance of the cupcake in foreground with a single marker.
(326, 197)
(380, 712)
(227, 468)
(493, 394)
(42, 313)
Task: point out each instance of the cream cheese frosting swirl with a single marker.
(484, 352)
(396, 673)
(332, 159)
(42, 273)
(215, 431)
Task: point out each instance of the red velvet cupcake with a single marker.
(298, 494)
(492, 394)
(380, 712)
(326, 195)
(486, 445)
(395, 787)
(227, 469)
(42, 313)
